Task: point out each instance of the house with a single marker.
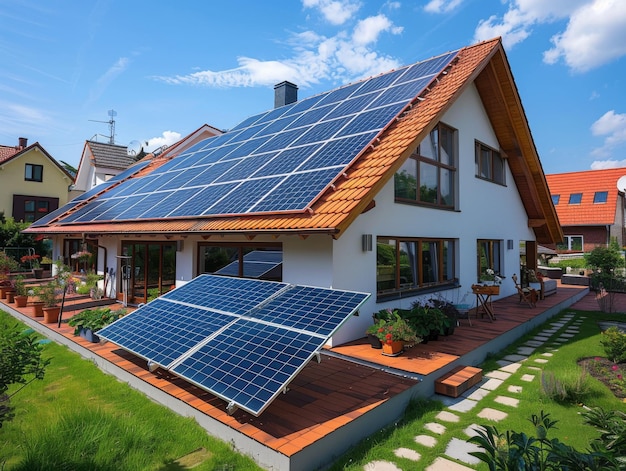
(102, 161)
(33, 182)
(590, 205)
(405, 185)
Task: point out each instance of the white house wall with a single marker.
(486, 211)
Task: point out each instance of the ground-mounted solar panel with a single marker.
(162, 331)
(242, 340)
(257, 167)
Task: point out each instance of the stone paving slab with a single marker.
(507, 401)
(541, 338)
(492, 384)
(541, 360)
(381, 466)
(442, 464)
(426, 440)
(407, 453)
(514, 389)
(517, 358)
(463, 406)
(527, 378)
(472, 430)
(447, 416)
(492, 414)
(478, 394)
(435, 428)
(534, 343)
(547, 354)
(460, 450)
(526, 350)
(512, 368)
(498, 374)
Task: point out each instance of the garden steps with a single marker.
(458, 380)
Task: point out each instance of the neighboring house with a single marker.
(100, 161)
(590, 206)
(33, 183)
(405, 185)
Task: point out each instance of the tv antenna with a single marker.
(111, 122)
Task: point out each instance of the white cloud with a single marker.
(604, 164)
(595, 35)
(336, 12)
(346, 56)
(612, 126)
(442, 6)
(109, 76)
(166, 139)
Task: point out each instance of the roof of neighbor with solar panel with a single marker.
(279, 161)
(242, 340)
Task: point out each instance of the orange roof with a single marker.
(6, 152)
(587, 183)
(353, 193)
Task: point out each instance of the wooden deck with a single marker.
(351, 381)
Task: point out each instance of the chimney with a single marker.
(23, 142)
(285, 93)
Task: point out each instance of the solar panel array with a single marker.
(278, 161)
(243, 340)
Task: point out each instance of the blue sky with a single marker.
(167, 67)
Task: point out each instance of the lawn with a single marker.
(562, 365)
(78, 418)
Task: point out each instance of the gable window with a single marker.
(489, 257)
(489, 164)
(600, 196)
(575, 198)
(428, 175)
(571, 243)
(411, 264)
(555, 199)
(33, 173)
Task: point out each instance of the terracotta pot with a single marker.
(37, 309)
(393, 348)
(51, 314)
(21, 301)
(10, 296)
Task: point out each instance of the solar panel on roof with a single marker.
(240, 339)
(258, 159)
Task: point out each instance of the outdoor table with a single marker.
(483, 299)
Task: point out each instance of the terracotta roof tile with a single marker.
(6, 152)
(588, 183)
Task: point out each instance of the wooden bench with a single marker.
(458, 380)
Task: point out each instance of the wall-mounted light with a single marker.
(509, 244)
(366, 242)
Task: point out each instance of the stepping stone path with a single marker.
(458, 449)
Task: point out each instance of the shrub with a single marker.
(565, 390)
(94, 319)
(614, 342)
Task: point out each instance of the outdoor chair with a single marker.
(528, 295)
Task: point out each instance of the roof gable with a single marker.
(109, 155)
(586, 184)
(376, 161)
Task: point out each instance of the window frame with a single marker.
(492, 260)
(575, 198)
(36, 172)
(446, 266)
(569, 241)
(445, 172)
(556, 199)
(600, 197)
(242, 248)
(493, 156)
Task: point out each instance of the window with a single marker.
(35, 209)
(575, 198)
(489, 164)
(31, 208)
(600, 197)
(572, 243)
(410, 264)
(259, 261)
(33, 173)
(489, 257)
(555, 199)
(431, 170)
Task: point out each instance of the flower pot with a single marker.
(89, 335)
(10, 296)
(37, 309)
(3, 291)
(393, 348)
(21, 301)
(38, 273)
(51, 314)
(374, 341)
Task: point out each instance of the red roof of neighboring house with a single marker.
(6, 152)
(587, 184)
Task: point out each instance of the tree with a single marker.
(606, 279)
(20, 363)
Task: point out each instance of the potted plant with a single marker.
(451, 313)
(33, 262)
(21, 293)
(427, 321)
(7, 265)
(394, 333)
(490, 283)
(49, 297)
(89, 321)
(36, 305)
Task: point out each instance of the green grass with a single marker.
(563, 365)
(78, 418)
